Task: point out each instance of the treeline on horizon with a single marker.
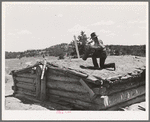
(65, 49)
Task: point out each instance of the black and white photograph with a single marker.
(75, 60)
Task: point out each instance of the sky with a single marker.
(39, 25)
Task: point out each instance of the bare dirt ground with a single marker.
(12, 103)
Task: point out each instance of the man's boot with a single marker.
(113, 66)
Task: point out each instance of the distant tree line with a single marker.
(64, 49)
(137, 50)
(57, 50)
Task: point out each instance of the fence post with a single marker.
(14, 87)
(77, 50)
(38, 81)
(43, 83)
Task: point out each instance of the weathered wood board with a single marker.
(73, 95)
(74, 102)
(120, 97)
(70, 87)
(26, 86)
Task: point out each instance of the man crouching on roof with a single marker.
(99, 52)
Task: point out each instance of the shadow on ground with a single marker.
(94, 68)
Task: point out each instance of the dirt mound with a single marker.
(124, 65)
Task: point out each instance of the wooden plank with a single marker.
(26, 80)
(100, 90)
(61, 73)
(27, 75)
(25, 93)
(38, 81)
(14, 82)
(56, 72)
(29, 92)
(104, 82)
(92, 94)
(135, 100)
(43, 89)
(116, 88)
(77, 73)
(26, 86)
(123, 87)
(49, 105)
(94, 80)
(73, 95)
(60, 85)
(57, 100)
(43, 71)
(120, 97)
(57, 106)
(78, 107)
(70, 71)
(62, 78)
(77, 50)
(43, 83)
(85, 105)
(114, 77)
(27, 97)
(72, 106)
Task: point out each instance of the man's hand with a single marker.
(95, 47)
(90, 42)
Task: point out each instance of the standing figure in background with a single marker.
(99, 52)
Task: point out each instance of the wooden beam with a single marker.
(94, 80)
(73, 95)
(24, 92)
(38, 82)
(26, 80)
(14, 82)
(43, 83)
(44, 68)
(77, 73)
(59, 73)
(62, 78)
(26, 86)
(92, 94)
(74, 102)
(77, 50)
(27, 97)
(70, 87)
(68, 71)
(119, 106)
(121, 97)
(28, 91)
(27, 75)
(101, 90)
(56, 106)
(43, 89)
(122, 87)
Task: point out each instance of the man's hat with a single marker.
(93, 35)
